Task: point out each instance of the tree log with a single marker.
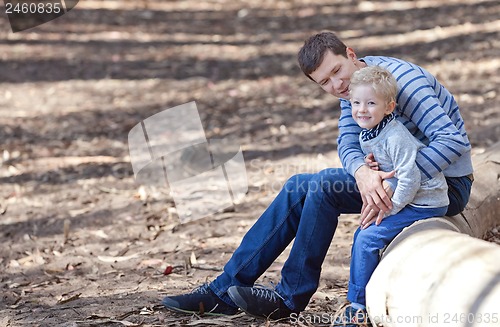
(438, 272)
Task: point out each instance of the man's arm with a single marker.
(433, 110)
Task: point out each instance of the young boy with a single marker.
(373, 93)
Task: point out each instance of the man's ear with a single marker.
(351, 54)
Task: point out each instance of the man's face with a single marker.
(335, 71)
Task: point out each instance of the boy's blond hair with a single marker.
(380, 79)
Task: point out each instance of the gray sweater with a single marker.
(395, 148)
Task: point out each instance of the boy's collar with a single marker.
(368, 134)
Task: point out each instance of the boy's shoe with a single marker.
(202, 300)
(352, 317)
(260, 302)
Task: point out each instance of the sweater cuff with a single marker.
(355, 166)
(393, 183)
(396, 207)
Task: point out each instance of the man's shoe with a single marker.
(202, 300)
(352, 317)
(260, 302)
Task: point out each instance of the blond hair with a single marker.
(380, 79)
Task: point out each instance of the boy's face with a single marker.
(369, 108)
(335, 71)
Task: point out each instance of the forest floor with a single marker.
(84, 245)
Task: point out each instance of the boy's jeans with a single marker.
(307, 209)
(365, 252)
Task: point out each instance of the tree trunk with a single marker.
(438, 272)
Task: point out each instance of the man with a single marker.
(308, 206)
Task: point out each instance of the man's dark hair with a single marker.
(312, 52)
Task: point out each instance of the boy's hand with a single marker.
(370, 161)
(374, 194)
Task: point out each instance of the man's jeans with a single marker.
(307, 209)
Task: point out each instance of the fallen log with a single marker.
(438, 272)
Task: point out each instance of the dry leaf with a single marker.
(143, 194)
(66, 229)
(5, 321)
(100, 233)
(150, 263)
(116, 259)
(125, 323)
(3, 208)
(62, 300)
(193, 259)
(78, 212)
(147, 311)
(32, 258)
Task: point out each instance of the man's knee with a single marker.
(297, 183)
(334, 180)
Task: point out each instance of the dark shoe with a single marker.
(352, 317)
(260, 302)
(202, 300)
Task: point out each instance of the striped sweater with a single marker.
(428, 110)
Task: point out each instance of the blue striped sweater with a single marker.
(428, 110)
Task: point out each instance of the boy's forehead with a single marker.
(365, 90)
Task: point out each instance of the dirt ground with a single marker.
(83, 244)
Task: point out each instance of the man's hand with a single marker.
(377, 217)
(375, 193)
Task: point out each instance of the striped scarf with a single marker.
(368, 134)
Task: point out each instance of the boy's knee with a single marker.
(370, 240)
(367, 236)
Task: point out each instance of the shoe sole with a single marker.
(237, 299)
(213, 314)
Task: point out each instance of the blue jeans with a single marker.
(307, 209)
(368, 243)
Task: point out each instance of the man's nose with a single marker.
(336, 82)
